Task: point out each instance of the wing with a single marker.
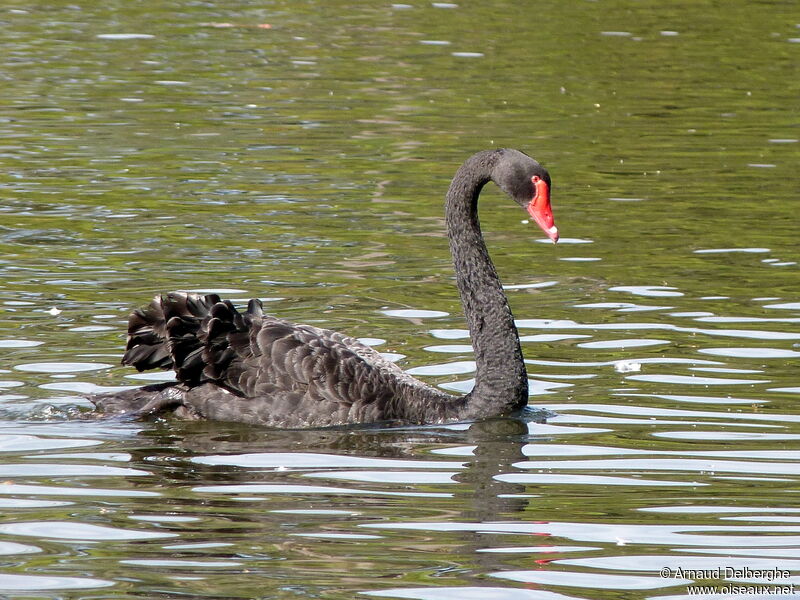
(264, 363)
(258, 355)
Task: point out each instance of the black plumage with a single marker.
(255, 368)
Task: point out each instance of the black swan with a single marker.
(254, 368)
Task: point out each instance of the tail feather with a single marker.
(163, 335)
(147, 333)
(226, 340)
(150, 356)
(199, 336)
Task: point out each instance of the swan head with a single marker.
(528, 183)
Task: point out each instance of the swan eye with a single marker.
(535, 179)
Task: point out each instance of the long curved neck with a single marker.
(501, 383)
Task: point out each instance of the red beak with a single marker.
(539, 208)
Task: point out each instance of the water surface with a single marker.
(190, 146)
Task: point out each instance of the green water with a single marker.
(306, 163)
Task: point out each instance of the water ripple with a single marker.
(689, 465)
(61, 367)
(62, 470)
(71, 530)
(48, 490)
(750, 352)
(32, 583)
(602, 581)
(694, 380)
(672, 536)
(466, 593)
(28, 443)
(304, 460)
(600, 480)
(672, 412)
(256, 488)
(569, 324)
